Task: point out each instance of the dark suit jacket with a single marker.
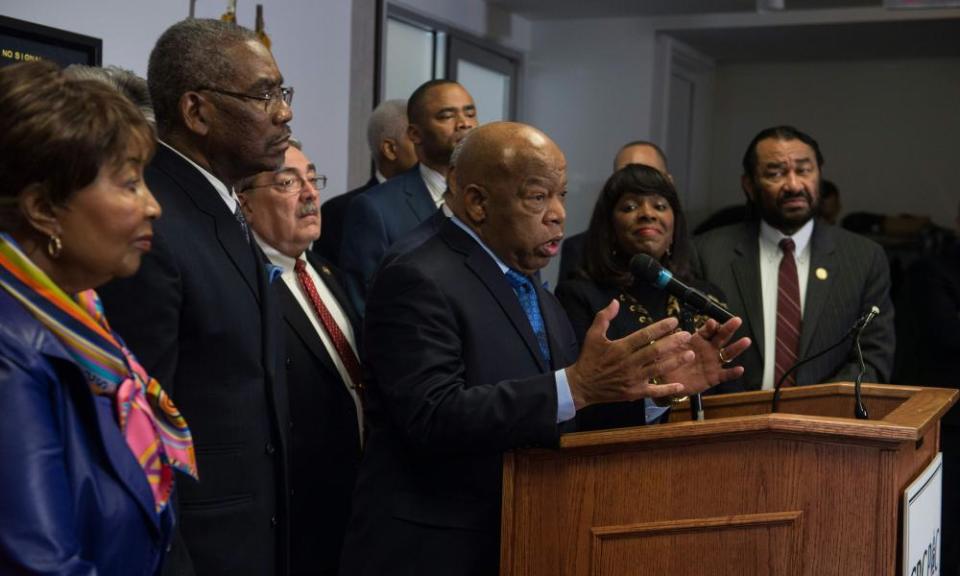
(423, 232)
(571, 253)
(202, 320)
(324, 438)
(74, 498)
(378, 218)
(858, 277)
(332, 214)
(455, 378)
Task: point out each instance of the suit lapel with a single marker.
(489, 273)
(298, 321)
(418, 196)
(129, 472)
(746, 273)
(822, 256)
(329, 276)
(207, 200)
(552, 324)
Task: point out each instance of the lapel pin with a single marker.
(326, 270)
(822, 273)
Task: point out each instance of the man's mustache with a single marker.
(310, 209)
(787, 196)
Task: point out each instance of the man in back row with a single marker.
(440, 113)
(798, 283)
(392, 153)
(636, 152)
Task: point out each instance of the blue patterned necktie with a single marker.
(238, 214)
(531, 307)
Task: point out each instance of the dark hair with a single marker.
(828, 189)
(58, 132)
(777, 133)
(600, 262)
(417, 100)
(648, 144)
(190, 54)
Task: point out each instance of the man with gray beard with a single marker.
(323, 373)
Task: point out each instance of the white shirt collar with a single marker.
(801, 238)
(468, 230)
(436, 183)
(225, 193)
(380, 177)
(274, 255)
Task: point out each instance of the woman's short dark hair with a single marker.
(58, 132)
(603, 261)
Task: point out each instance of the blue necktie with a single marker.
(238, 214)
(531, 307)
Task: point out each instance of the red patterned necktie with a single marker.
(788, 314)
(346, 353)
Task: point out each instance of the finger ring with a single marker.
(656, 380)
(722, 359)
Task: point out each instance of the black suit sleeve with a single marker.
(145, 310)
(414, 346)
(580, 310)
(878, 340)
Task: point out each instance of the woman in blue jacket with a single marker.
(89, 442)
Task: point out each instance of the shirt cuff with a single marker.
(565, 407)
(652, 411)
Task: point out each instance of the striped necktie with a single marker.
(788, 314)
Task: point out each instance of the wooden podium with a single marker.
(809, 490)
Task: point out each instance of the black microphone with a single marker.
(859, 410)
(854, 331)
(646, 268)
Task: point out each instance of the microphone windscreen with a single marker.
(646, 268)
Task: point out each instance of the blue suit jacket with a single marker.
(73, 498)
(376, 219)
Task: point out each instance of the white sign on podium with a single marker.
(921, 521)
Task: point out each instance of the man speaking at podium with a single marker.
(798, 283)
(467, 356)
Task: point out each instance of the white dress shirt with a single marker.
(435, 181)
(289, 277)
(770, 256)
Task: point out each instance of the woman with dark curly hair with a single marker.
(638, 211)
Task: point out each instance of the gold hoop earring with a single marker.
(54, 246)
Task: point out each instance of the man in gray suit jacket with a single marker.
(836, 275)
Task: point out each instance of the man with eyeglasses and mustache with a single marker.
(200, 313)
(323, 376)
(799, 283)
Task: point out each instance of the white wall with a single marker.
(588, 86)
(887, 128)
(477, 17)
(311, 41)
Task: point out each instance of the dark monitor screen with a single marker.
(22, 41)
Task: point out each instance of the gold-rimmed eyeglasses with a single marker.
(271, 98)
(290, 184)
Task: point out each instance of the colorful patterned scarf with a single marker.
(159, 444)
